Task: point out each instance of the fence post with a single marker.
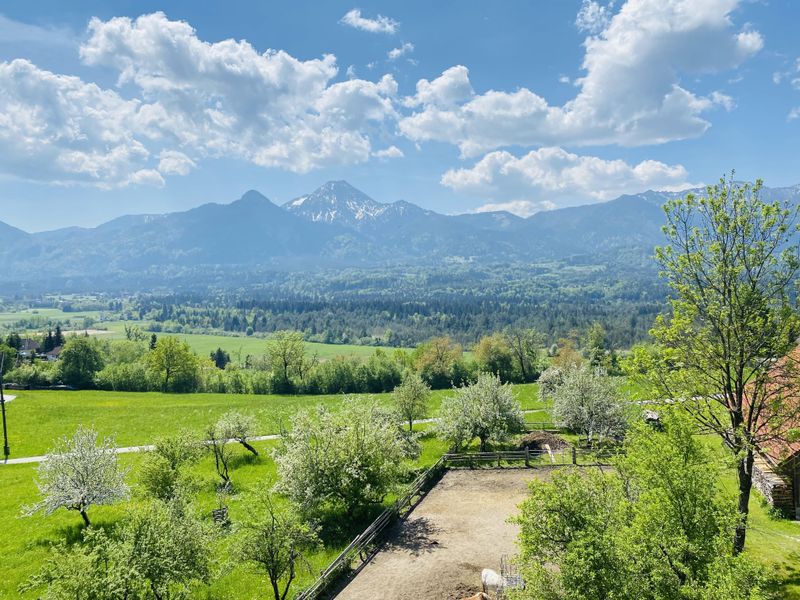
(527, 456)
(574, 456)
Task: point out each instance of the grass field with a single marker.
(36, 418)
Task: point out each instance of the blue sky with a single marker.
(109, 108)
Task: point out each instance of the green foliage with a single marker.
(656, 528)
(485, 409)
(163, 472)
(8, 354)
(275, 541)
(79, 361)
(493, 355)
(173, 364)
(411, 399)
(346, 460)
(730, 261)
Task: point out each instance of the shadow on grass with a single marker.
(70, 534)
(337, 529)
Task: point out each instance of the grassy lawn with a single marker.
(26, 540)
(36, 418)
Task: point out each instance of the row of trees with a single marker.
(167, 364)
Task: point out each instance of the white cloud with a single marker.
(172, 162)
(190, 99)
(630, 94)
(402, 50)
(449, 89)
(379, 24)
(564, 79)
(593, 17)
(723, 100)
(15, 32)
(523, 208)
(561, 177)
(390, 152)
(793, 114)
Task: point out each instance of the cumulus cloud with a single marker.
(390, 152)
(379, 24)
(192, 99)
(402, 50)
(630, 94)
(561, 177)
(593, 17)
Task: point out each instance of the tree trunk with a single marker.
(275, 589)
(249, 447)
(483, 445)
(744, 473)
(85, 517)
(410, 425)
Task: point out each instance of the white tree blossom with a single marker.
(587, 401)
(78, 473)
(486, 409)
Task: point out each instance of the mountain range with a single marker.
(335, 226)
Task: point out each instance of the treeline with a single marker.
(166, 364)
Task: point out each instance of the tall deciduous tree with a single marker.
(730, 260)
(286, 351)
(494, 355)
(80, 361)
(174, 365)
(78, 473)
(526, 348)
(411, 398)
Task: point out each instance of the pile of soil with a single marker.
(536, 440)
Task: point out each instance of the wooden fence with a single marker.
(362, 545)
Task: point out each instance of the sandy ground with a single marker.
(459, 529)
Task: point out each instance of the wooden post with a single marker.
(527, 456)
(574, 456)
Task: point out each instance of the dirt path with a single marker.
(459, 529)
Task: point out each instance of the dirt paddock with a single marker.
(457, 530)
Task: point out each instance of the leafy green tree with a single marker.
(486, 409)
(286, 352)
(80, 361)
(220, 358)
(163, 472)
(275, 541)
(494, 355)
(436, 361)
(8, 354)
(657, 527)
(347, 460)
(526, 348)
(239, 427)
(78, 473)
(587, 401)
(597, 349)
(411, 398)
(730, 261)
(174, 365)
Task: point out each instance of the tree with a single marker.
(80, 361)
(174, 365)
(525, 346)
(14, 340)
(486, 409)
(221, 450)
(237, 426)
(587, 402)
(286, 351)
(79, 473)
(220, 358)
(158, 551)
(8, 354)
(494, 356)
(167, 548)
(153, 341)
(411, 398)
(549, 380)
(730, 260)
(162, 474)
(655, 527)
(436, 361)
(58, 337)
(276, 541)
(597, 346)
(346, 460)
(567, 355)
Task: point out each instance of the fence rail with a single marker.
(363, 543)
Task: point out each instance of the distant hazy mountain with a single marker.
(334, 226)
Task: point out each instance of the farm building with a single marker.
(776, 468)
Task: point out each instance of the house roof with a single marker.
(780, 428)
